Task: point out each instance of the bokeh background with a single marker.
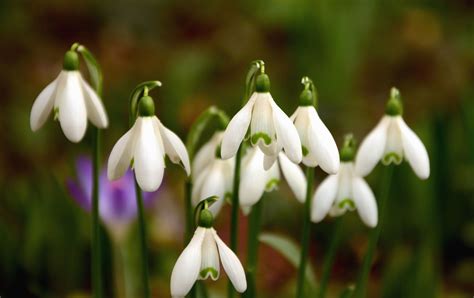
(353, 50)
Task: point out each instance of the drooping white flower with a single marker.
(212, 176)
(200, 260)
(270, 128)
(392, 141)
(72, 100)
(146, 144)
(255, 180)
(345, 191)
(319, 147)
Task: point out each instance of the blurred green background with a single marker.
(353, 50)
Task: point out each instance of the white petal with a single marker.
(253, 178)
(324, 198)
(214, 185)
(148, 158)
(95, 107)
(273, 178)
(303, 126)
(287, 134)
(236, 129)
(122, 153)
(415, 151)
(43, 106)
(262, 130)
(71, 106)
(175, 148)
(269, 161)
(187, 267)
(210, 257)
(206, 153)
(197, 185)
(372, 148)
(232, 265)
(321, 144)
(294, 176)
(364, 200)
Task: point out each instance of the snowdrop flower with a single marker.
(319, 147)
(344, 191)
(146, 144)
(72, 100)
(392, 141)
(270, 128)
(200, 260)
(118, 205)
(212, 176)
(255, 180)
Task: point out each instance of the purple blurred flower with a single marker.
(117, 200)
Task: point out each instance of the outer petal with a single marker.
(364, 200)
(294, 176)
(43, 106)
(287, 135)
(175, 148)
(122, 153)
(253, 178)
(214, 185)
(415, 151)
(198, 184)
(372, 148)
(95, 107)
(187, 267)
(71, 105)
(206, 153)
(324, 198)
(322, 144)
(232, 265)
(236, 129)
(148, 158)
(210, 257)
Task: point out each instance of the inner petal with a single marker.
(209, 257)
(261, 127)
(394, 146)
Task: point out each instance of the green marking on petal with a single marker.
(346, 202)
(272, 184)
(206, 272)
(261, 135)
(56, 113)
(392, 157)
(305, 150)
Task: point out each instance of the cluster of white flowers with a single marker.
(276, 142)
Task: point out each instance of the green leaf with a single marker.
(94, 68)
(291, 251)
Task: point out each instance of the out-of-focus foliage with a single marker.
(353, 50)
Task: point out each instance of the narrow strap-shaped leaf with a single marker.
(290, 250)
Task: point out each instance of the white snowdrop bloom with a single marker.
(319, 147)
(255, 180)
(72, 100)
(200, 260)
(212, 176)
(392, 141)
(345, 191)
(145, 146)
(268, 124)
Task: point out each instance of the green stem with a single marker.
(234, 223)
(330, 256)
(96, 252)
(143, 240)
(118, 270)
(361, 287)
(252, 258)
(306, 234)
(188, 209)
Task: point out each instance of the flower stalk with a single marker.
(306, 233)
(361, 286)
(253, 242)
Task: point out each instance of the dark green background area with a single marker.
(353, 50)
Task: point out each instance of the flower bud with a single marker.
(146, 106)
(71, 61)
(206, 219)
(262, 83)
